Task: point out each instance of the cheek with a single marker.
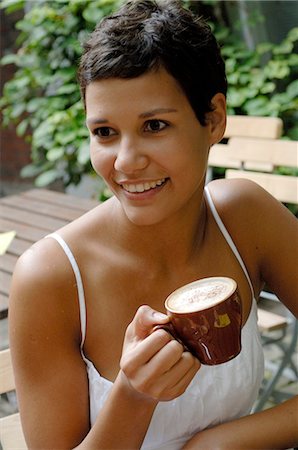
(102, 161)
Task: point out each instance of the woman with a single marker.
(85, 300)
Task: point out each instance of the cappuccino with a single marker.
(205, 317)
(201, 294)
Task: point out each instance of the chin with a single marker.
(142, 218)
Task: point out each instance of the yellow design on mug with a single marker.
(222, 320)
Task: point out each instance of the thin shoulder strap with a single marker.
(227, 236)
(80, 288)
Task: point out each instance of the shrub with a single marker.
(43, 98)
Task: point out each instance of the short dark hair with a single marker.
(147, 34)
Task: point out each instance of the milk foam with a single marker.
(201, 294)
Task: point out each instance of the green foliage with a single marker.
(264, 82)
(43, 98)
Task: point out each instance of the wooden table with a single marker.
(32, 215)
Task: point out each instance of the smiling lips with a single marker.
(142, 187)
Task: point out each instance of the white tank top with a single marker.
(216, 394)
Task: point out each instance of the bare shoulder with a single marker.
(265, 232)
(42, 266)
(238, 199)
(42, 291)
(45, 344)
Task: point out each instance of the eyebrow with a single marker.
(95, 121)
(145, 115)
(156, 111)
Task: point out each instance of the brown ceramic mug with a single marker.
(206, 318)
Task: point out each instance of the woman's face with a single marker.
(147, 144)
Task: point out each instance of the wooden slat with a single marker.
(7, 382)
(282, 187)
(58, 198)
(278, 152)
(5, 280)
(268, 321)
(222, 156)
(12, 437)
(249, 126)
(30, 218)
(47, 209)
(230, 157)
(7, 262)
(27, 232)
(19, 246)
(33, 215)
(254, 154)
(3, 306)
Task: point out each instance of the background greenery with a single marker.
(43, 98)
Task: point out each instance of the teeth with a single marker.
(142, 187)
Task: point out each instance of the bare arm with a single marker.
(154, 367)
(51, 378)
(275, 428)
(266, 234)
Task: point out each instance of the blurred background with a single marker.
(43, 136)
(44, 140)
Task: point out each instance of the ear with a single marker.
(216, 119)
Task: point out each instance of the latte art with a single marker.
(201, 294)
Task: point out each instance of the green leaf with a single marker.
(293, 133)
(65, 137)
(34, 104)
(292, 89)
(84, 153)
(293, 34)
(9, 59)
(17, 110)
(284, 48)
(92, 13)
(276, 69)
(264, 47)
(68, 89)
(257, 106)
(236, 97)
(267, 88)
(55, 154)
(47, 178)
(30, 171)
(12, 5)
(22, 127)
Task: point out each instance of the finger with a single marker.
(144, 320)
(181, 384)
(166, 358)
(170, 384)
(182, 370)
(177, 380)
(142, 353)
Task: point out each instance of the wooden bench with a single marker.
(245, 128)
(255, 151)
(33, 215)
(11, 433)
(250, 126)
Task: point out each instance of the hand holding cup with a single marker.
(206, 316)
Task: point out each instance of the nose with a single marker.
(130, 157)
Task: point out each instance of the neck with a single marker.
(173, 241)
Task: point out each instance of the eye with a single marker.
(104, 132)
(155, 125)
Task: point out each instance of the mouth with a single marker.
(143, 187)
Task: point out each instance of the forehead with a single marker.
(154, 89)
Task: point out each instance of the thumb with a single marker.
(145, 319)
